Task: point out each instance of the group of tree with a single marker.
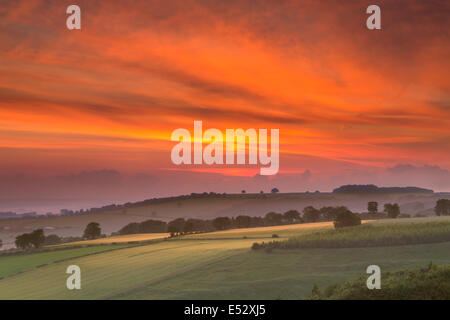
(309, 214)
(371, 188)
(30, 240)
(391, 209)
(148, 226)
(442, 207)
(181, 225)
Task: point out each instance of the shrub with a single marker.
(256, 246)
(430, 283)
(275, 235)
(347, 219)
(52, 239)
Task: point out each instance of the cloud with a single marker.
(426, 176)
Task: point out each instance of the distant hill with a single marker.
(371, 188)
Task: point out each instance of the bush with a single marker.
(52, 239)
(275, 235)
(256, 246)
(431, 283)
(347, 219)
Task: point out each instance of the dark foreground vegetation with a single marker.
(431, 283)
(366, 236)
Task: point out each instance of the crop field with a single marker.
(370, 235)
(121, 239)
(262, 232)
(216, 267)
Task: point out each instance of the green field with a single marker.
(13, 264)
(376, 234)
(216, 267)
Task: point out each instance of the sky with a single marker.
(352, 105)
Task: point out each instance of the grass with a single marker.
(120, 239)
(114, 273)
(18, 263)
(194, 268)
(261, 232)
(286, 274)
(368, 235)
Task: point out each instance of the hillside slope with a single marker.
(210, 206)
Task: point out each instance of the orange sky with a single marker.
(109, 96)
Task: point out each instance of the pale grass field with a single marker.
(262, 232)
(283, 231)
(121, 239)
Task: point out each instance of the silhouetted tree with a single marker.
(92, 231)
(37, 238)
(392, 210)
(173, 230)
(442, 207)
(243, 191)
(222, 223)
(273, 218)
(152, 226)
(32, 239)
(275, 190)
(257, 221)
(330, 213)
(176, 226)
(23, 241)
(131, 228)
(372, 207)
(292, 216)
(243, 221)
(311, 214)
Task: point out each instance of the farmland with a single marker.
(120, 239)
(217, 265)
(208, 207)
(411, 231)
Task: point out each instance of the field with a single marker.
(120, 239)
(217, 265)
(407, 232)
